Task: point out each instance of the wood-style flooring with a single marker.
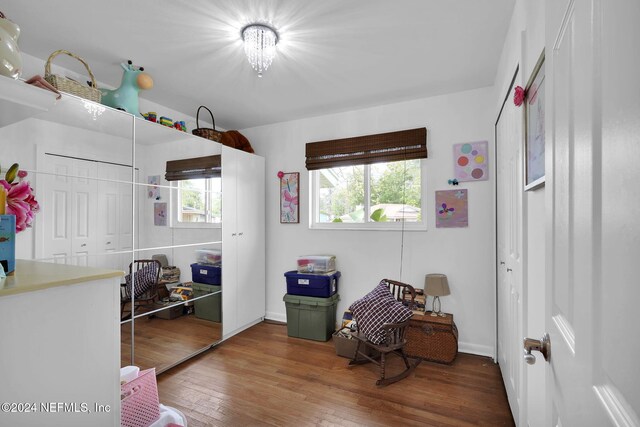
(160, 342)
(262, 377)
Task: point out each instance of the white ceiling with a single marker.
(333, 55)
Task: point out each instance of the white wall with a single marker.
(465, 255)
(523, 45)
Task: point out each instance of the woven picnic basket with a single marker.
(207, 133)
(65, 84)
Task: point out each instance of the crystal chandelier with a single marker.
(259, 45)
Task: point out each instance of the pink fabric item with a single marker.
(38, 81)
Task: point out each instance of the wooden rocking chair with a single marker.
(142, 281)
(394, 339)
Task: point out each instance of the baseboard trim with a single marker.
(278, 317)
(463, 347)
(480, 350)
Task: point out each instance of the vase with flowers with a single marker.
(18, 206)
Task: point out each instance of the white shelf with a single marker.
(20, 101)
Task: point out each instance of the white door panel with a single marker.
(509, 229)
(593, 239)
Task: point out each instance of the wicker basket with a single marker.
(207, 133)
(432, 339)
(65, 84)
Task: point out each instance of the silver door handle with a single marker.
(240, 234)
(501, 262)
(233, 234)
(83, 245)
(543, 345)
(508, 270)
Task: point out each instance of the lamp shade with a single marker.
(436, 285)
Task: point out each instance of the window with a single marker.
(197, 198)
(375, 196)
(369, 182)
(198, 202)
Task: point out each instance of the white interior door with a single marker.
(84, 211)
(593, 205)
(56, 206)
(509, 229)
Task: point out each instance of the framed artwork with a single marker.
(452, 209)
(289, 197)
(534, 128)
(160, 214)
(153, 192)
(471, 161)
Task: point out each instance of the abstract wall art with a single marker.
(452, 209)
(471, 161)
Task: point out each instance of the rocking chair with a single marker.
(145, 275)
(393, 341)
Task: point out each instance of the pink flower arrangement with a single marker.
(518, 95)
(20, 198)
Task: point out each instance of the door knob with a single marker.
(508, 270)
(501, 262)
(542, 345)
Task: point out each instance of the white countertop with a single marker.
(31, 276)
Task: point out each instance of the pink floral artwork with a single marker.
(289, 198)
(471, 161)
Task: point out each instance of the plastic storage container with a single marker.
(209, 256)
(316, 264)
(208, 274)
(311, 318)
(209, 308)
(312, 285)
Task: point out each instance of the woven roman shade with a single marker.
(368, 149)
(197, 167)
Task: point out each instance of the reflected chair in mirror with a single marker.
(146, 275)
(382, 319)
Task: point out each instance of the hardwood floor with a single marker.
(160, 342)
(263, 377)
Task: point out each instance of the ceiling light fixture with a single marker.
(260, 42)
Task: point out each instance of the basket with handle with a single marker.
(139, 400)
(207, 133)
(65, 84)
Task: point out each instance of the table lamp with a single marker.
(437, 286)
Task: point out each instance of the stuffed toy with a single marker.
(234, 139)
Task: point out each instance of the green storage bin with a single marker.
(310, 317)
(209, 308)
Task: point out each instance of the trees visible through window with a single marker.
(369, 194)
(199, 201)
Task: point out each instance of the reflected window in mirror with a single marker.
(198, 202)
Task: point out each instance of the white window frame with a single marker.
(314, 190)
(176, 204)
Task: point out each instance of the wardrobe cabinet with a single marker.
(243, 240)
(98, 174)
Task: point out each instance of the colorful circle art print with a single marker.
(471, 161)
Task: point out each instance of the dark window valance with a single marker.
(197, 167)
(364, 150)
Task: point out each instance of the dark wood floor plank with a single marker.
(263, 377)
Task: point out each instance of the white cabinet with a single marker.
(60, 345)
(243, 240)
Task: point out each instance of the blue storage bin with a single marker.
(312, 285)
(208, 274)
